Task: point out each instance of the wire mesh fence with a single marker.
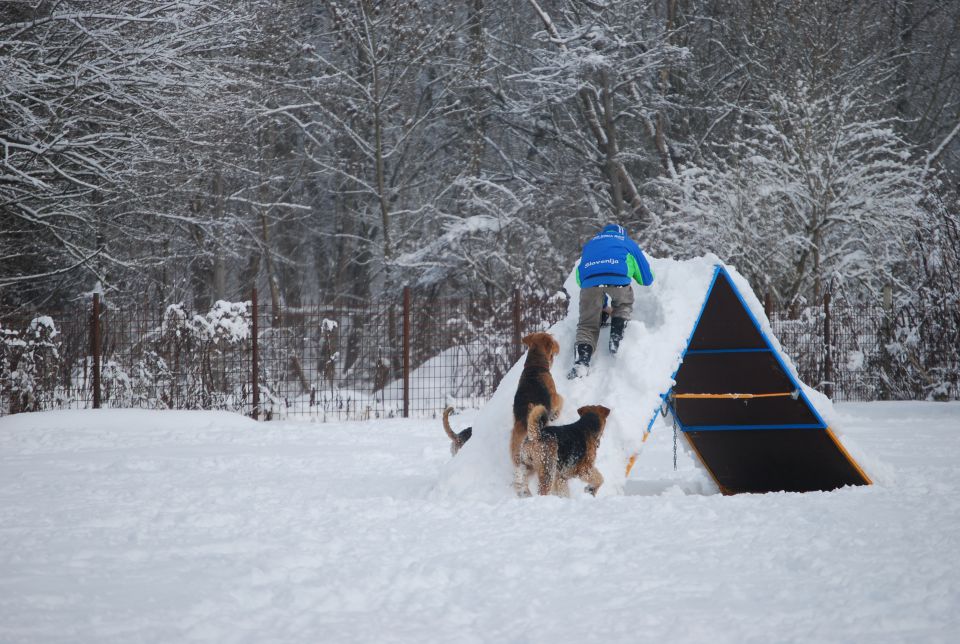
(392, 359)
(412, 356)
(386, 359)
(863, 352)
(838, 357)
(168, 359)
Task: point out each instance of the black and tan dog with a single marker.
(560, 452)
(457, 439)
(536, 387)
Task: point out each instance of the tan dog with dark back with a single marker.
(560, 452)
(536, 387)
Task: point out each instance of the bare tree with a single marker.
(612, 68)
(89, 100)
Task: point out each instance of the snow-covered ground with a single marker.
(136, 526)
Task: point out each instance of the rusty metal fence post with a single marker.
(95, 348)
(516, 324)
(828, 357)
(255, 356)
(406, 351)
(886, 338)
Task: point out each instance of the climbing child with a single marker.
(609, 263)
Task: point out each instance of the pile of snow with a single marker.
(629, 383)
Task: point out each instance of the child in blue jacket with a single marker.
(609, 263)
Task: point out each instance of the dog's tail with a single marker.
(446, 424)
(536, 419)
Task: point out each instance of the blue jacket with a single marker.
(611, 258)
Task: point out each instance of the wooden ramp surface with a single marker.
(788, 460)
(744, 413)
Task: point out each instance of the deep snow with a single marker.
(137, 526)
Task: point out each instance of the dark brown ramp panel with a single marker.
(754, 372)
(783, 410)
(744, 414)
(774, 460)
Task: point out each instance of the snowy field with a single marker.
(135, 526)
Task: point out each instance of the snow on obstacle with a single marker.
(630, 383)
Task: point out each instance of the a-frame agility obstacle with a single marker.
(744, 413)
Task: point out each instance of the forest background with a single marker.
(188, 150)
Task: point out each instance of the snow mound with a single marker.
(630, 383)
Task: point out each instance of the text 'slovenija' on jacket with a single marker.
(611, 258)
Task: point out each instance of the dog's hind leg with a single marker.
(520, 484)
(521, 470)
(546, 482)
(593, 479)
(561, 487)
(518, 433)
(547, 467)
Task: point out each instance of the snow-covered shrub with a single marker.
(29, 362)
(922, 339)
(192, 360)
(116, 386)
(921, 357)
(226, 323)
(152, 382)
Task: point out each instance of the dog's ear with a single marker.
(554, 346)
(599, 410)
(528, 340)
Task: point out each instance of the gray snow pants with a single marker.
(591, 305)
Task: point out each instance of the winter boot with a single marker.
(581, 365)
(617, 326)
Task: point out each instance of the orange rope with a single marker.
(633, 458)
(735, 396)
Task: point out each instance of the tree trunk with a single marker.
(219, 264)
(617, 175)
(477, 94)
(266, 144)
(660, 136)
(379, 165)
(611, 148)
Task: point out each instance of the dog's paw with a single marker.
(524, 493)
